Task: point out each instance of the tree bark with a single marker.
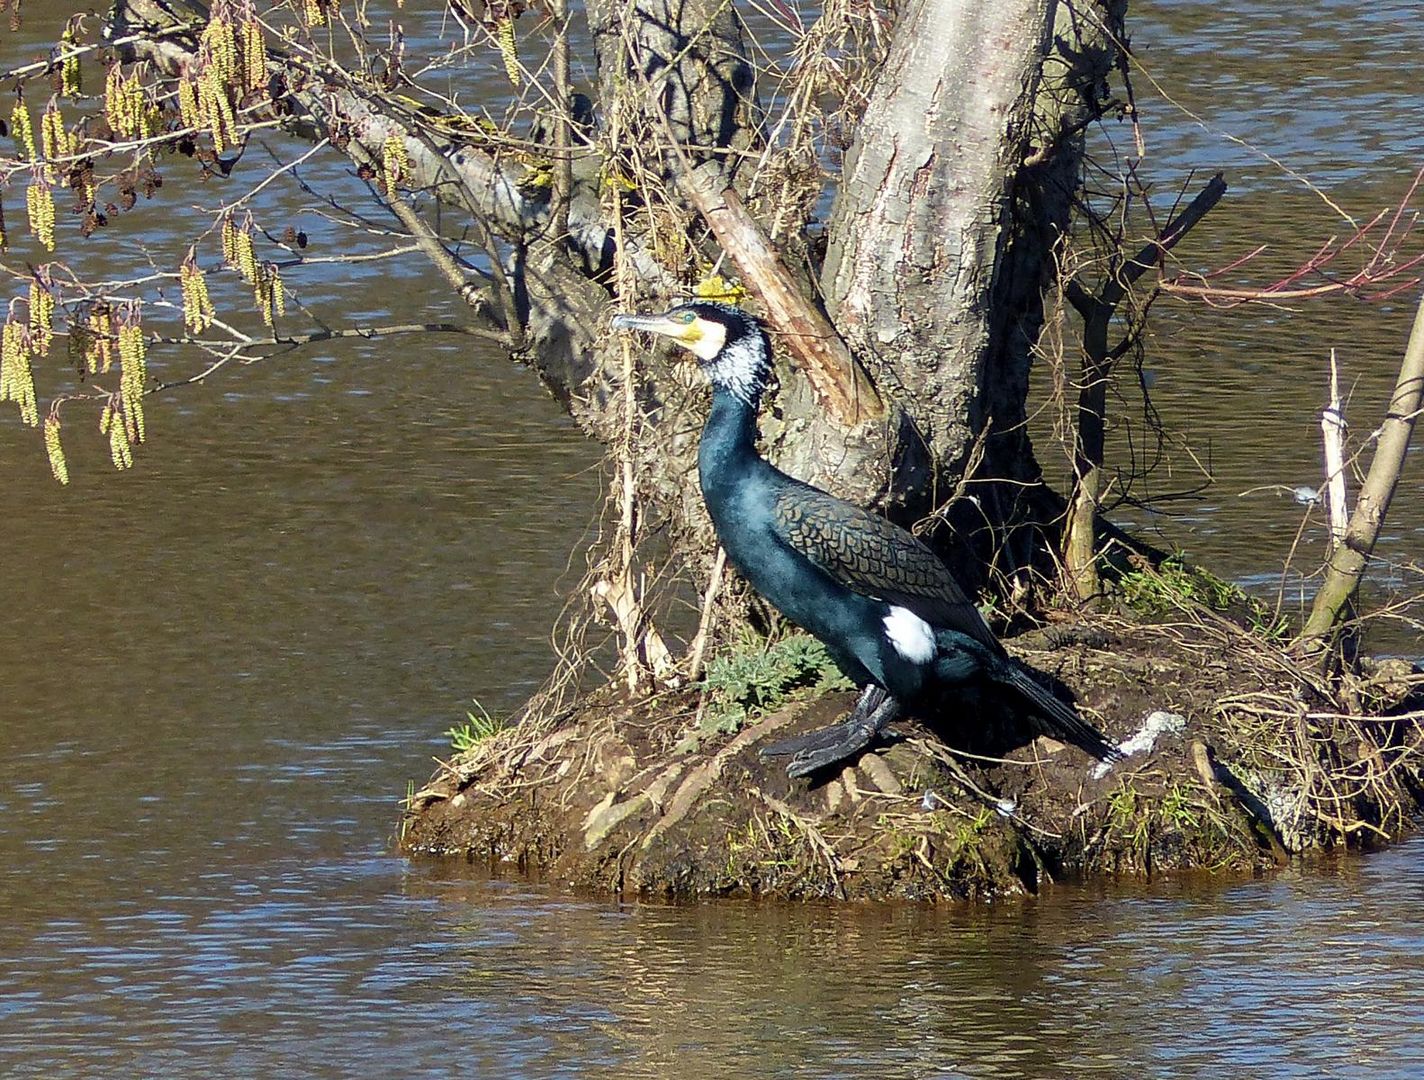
(960, 185)
(918, 224)
(686, 58)
(936, 248)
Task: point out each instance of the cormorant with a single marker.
(886, 608)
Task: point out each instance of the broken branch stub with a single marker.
(1352, 554)
(841, 384)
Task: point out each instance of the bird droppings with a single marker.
(604, 800)
(1158, 723)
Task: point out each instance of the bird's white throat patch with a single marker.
(912, 637)
(706, 339)
(741, 367)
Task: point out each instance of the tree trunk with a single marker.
(937, 247)
(686, 58)
(915, 237)
(955, 194)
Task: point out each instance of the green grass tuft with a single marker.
(475, 730)
(1175, 584)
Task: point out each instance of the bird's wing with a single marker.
(875, 557)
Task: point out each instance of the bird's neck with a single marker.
(728, 454)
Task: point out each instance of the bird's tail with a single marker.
(1064, 718)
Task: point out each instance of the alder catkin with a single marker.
(23, 130)
(254, 57)
(508, 48)
(70, 74)
(197, 305)
(17, 380)
(119, 448)
(188, 110)
(39, 203)
(41, 318)
(394, 162)
(55, 449)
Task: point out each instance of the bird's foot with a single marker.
(871, 698)
(818, 749)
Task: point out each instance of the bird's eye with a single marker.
(686, 317)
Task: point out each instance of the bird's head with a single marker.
(729, 344)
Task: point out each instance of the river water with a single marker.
(219, 670)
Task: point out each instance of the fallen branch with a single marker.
(1225, 788)
(839, 382)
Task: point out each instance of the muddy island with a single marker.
(1236, 761)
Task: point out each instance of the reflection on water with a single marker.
(217, 672)
(1303, 975)
(348, 969)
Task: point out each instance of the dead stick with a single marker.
(1332, 429)
(1352, 554)
(840, 384)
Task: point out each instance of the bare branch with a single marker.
(1383, 274)
(291, 341)
(1081, 528)
(840, 383)
(1351, 556)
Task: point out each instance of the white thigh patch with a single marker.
(912, 637)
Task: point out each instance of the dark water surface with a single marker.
(218, 671)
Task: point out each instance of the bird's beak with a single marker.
(690, 335)
(653, 324)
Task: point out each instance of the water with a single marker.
(1290, 110)
(218, 672)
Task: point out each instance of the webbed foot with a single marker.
(824, 747)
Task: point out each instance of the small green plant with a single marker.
(758, 677)
(1174, 584)
(475, 730)
(771, 849)
(1177, 810)
(1131, 820)
(1266, 623)
(407, 806)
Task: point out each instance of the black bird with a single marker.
(887, 609)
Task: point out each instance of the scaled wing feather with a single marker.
(875, 557)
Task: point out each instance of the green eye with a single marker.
(686, 317)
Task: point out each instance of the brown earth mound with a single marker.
(1254, 760)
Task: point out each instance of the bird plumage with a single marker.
(885, 606)
(874, 556)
